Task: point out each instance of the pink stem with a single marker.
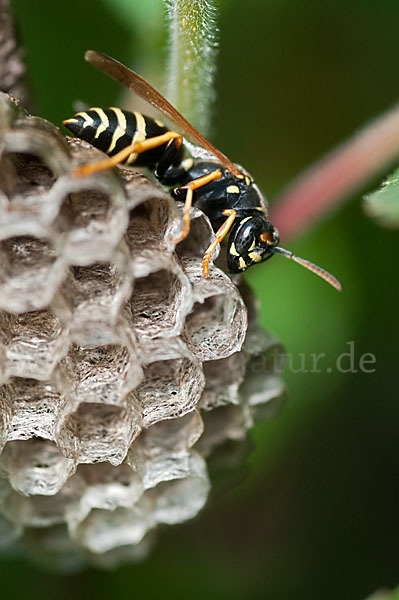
(322, 187)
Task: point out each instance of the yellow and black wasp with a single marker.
(225, 192)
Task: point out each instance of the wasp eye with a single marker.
(245, 238)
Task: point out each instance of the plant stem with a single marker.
(192, 53)
(325, 185)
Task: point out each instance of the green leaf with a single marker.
(384, 203)
(385, 595)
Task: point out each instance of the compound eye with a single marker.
(248, 233)
(246, 238)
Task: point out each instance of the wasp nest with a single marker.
(123, 369)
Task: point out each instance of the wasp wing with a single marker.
(142, 88)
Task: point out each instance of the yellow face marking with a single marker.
(139, 136)
(247, 180)
(245, 220)
(120, 129)
(159, 123)
(252, 246)
(255, 256)
(242, 263)
(88, 120)
(233, 189)
(233, 250)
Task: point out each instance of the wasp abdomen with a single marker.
(113, 129)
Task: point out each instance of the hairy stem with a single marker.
(192, 53)
(335, 177)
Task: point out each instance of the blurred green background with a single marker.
(316, 516)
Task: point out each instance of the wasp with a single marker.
(224, 191)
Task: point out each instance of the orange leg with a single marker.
(220, 235)
(134, 148)
(190, 187)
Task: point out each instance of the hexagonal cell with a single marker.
(92, 220)
(223, 379)
(25, 181)
(33, 343)
(99, 432)
(31, 179)
(109, 486)
(128, 554)
(224, 423)
(35, 467)
(217, 324)
(152, 222)
(34, 408)
(30, 273)
(263, 390)
(104, 374)
(162, 452)
(266, 354)
(33, 154)
(173, 435)
(265, 396)
(181, 499)
(41, 511)
(171, 388)
(91, 298)
(158, 305)
(104, 530)
(34, 151)
(40, 139)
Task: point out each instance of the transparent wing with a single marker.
(142, 88)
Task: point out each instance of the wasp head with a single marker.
(251, 241)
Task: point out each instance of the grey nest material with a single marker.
(114, 352)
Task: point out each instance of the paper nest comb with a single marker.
(122, 368)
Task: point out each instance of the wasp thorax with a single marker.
(251, 241)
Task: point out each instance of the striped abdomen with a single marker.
(113, 129)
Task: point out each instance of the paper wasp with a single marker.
(224, 191)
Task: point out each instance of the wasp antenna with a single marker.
(310, 266)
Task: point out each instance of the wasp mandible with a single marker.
(224, 191)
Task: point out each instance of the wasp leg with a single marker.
(191, 187)
(219, 236)
(134, 148)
